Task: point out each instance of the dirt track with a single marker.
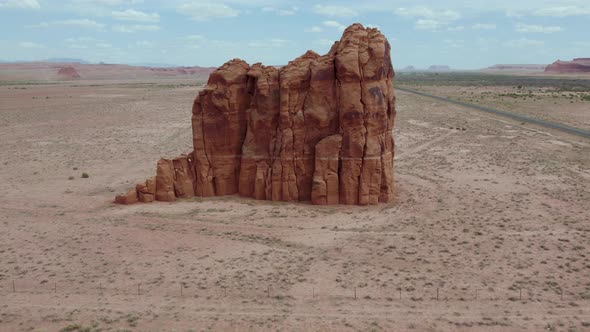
(494, 211)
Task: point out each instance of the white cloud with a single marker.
(527, 28)
(78, 23)
(563, 11)
(581, 43)
(457, 28)
(268, 43)
(22, 4)
(86, 43)
(428, 13)
(30, 45)
(334, 11)
(79, 39)
(196, 38)
(314, 29)
(324, 42)
(281, 12)
(484, 26)
(202, 11)
(334, 24)
(426, 24)
(135, 15)
(145, 44)
(523, 42)
(135, 28)
(428, 18)
(79, 42)
(109, 2)
(454, 43)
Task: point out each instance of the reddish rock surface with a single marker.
(326, 185)
(146, 192)
(579, 65)
(219, 128)
(128, 198)
(165, 181)
(319, 129)
(68, 73)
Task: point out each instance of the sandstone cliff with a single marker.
(580, 65)
(319, 129)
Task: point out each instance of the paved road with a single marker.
(552, 125)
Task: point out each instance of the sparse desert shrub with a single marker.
(70, 177)
(70, 328)
(132, 320)
(80, 328)
(85, 176)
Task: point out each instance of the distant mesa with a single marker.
(68, 73)
(175, 71)
(44, 71)
(433, 68)
(439, 68)
(517, 67)
(153, 64)
(578, 65)
(408, 69)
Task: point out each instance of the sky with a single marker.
(463, 34)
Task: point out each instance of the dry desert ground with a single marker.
(490, 229)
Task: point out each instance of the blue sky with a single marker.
(463, 34)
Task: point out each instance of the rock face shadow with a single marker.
(319, 129)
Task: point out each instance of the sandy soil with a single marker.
(491, 213)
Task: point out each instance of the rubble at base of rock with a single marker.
(319, 129)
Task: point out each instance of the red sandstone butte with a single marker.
(319, 129)
(68, 73)
(579, 65)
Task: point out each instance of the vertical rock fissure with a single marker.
(293, 147)
(301, 190)
(276, 151)
(210, 166)
(338, 85)
(365, 125)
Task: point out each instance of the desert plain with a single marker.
(489, 230)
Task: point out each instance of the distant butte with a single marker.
(68, 73)
(319, 129)
(579, 65)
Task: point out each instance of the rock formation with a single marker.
(408, 69)
(319, 129)
(68, 73)
(579, 65)
(439, 68)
